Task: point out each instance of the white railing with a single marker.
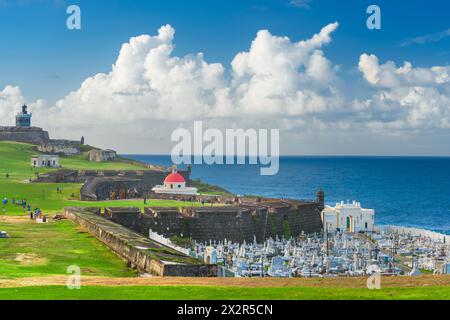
(436, 236)
(165, 241)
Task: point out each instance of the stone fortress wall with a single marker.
(33, 135)
(238, 223)
(60, 146)
(41, 139)
(24, 132)
(106, 185)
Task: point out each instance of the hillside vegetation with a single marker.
(15, 162)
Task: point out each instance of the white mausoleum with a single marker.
(45, 161)
(348, 217)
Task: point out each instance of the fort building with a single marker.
(45, 161)
(97, 155)
(24, 132)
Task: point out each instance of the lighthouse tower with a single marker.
(23, 119)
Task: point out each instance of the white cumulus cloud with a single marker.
(275, 77)
(275, 83)
(389, 76)
(406, 97)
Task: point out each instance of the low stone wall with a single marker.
(146, 255)
(436, 236)
(193, 198)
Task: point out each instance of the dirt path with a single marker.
(16, 219)
(386, 282)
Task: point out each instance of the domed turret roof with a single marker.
(174, 177)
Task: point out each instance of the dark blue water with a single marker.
(407, 191)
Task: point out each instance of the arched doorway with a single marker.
(349, 224)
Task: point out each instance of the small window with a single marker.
(179, 186)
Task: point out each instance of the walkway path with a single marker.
(344, 282)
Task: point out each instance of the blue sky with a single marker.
(47, 61)
(373, 105)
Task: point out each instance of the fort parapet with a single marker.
(32, 135)
(269, 218)
(60, 146)
(103, 185)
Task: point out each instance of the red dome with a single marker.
(174, 177)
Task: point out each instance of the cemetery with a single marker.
(336, 254)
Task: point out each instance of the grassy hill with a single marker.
(15, 161)
(48, 249)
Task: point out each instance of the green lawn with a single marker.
(80, 162)
(15, 161)
(48, 249)
(219, 293)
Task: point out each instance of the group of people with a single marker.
(18, 202)
(26, 207)
(37, 214)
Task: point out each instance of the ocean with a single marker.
(404, 191)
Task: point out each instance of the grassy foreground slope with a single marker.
(15, 161)
(48, 249)
(222, 293)
(92, 287)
